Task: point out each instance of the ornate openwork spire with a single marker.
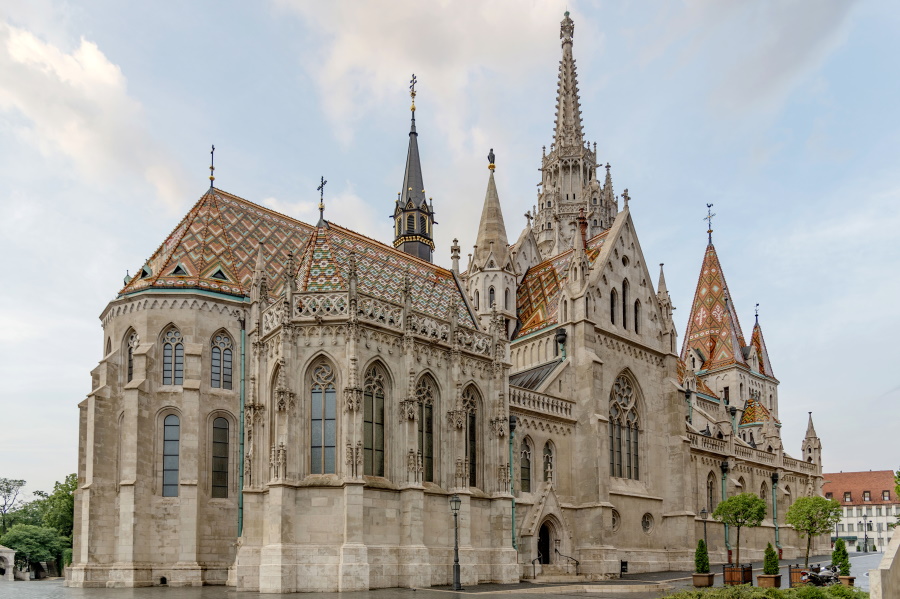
(568, 128)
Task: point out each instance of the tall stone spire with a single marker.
(413, 214)
(491, 230)
(568, 129)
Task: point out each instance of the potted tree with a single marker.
(740, 511)
(841, 559)
(813, 516)
(702, 576)
(771, 576)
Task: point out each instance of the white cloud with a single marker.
(77, 104)
(345, 208)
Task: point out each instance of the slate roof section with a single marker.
(491, 228)
(537, 300)
(874, 481)
(713, 326)
(533, 378)
(223, 231)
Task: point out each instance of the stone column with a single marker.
(354, 565)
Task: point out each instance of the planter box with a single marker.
(847, 581)
(703, 580)
(796, 576)
(768, 581)
(735, 575)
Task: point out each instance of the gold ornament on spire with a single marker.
(412, 92)
(212, 157)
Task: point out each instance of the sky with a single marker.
(783, 114)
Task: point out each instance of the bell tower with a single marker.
(413, 213)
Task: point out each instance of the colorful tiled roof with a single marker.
(876, 482)
(756, 413)
(702, 387)
(537, 300)
(222, 231)
(325, 266)
(759, 346)
(713, 326)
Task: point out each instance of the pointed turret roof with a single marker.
(413, 187)
(756, 413)
(318, 269)
(568, 128)
(713, 326)
(759, 346)
(661, 288)
(491, 229)
(810, 429)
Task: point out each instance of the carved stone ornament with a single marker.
(456, 418)
(352, 399)
(409, 410)
(498, 427)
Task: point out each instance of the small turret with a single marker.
(812, 445)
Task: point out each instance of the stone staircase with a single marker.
(555, 573)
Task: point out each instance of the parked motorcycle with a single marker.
(825, 577)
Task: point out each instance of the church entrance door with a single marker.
(544, 543)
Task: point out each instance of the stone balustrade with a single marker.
(748, 454)
(538, 402)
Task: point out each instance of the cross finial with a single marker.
(757, 313)
(212, 157)
(625, 196)
(412, 92)
(708, 218)
(321, 190)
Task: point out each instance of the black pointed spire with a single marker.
(413, 216)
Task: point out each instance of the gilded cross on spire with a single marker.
(321, 190)
(212, 157)
(708, 218)
(412, 92)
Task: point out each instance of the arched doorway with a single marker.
(544, 543)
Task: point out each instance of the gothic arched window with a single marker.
(525, 467)
(131, 342)
(506, 299)
(491, 297)
(220, 458)
(477, 300)
(323, 419)
(625, 304)
(711, 492)
(426, 394)
(410, 224)
(613, 306)
(548, 462)
(173, 357)
(637, 316)
(373, 422)
(471, 401)
(624, 454)
(171, 451)
(221, 361)
(764, 495)
(423, 228)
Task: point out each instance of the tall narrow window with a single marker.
(373, 423)
(422, 227)
(171, 438)
(506, 299)
(108, 347)
(625, 304)
(711, 492)
(173, 357)
(425, 395)
(220, 458)
(548, 462)
(624, 456)
(525, 467)
(491, 297)
(410, 224)
(637, 316)
(477, 298)
(764, 495)
(323, 418)
(613, 306)
(471, 401)
(221, 361)
(131, 343)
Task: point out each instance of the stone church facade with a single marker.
(288, 407)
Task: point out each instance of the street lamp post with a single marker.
(704, 514)
(454, 507)
(865, 524)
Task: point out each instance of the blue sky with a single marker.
(782, 114)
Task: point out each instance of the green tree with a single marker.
(29, 512)
(9, 499)
(813, 516)
(60, 511)
(32, 543)
(840, 557)
(746, 510)
(701, 558)
(770, 564)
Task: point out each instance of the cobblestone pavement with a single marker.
(861, 563)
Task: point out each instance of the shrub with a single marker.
(840, 558)
(67, 557)
(749, 592)
(874, 548)
(858, 548)
(701, 558)
(770, 565)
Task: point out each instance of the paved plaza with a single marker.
(631, 586)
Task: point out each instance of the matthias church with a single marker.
(284, 406)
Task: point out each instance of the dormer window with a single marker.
(218, 274)
(867, 496)
(885, 495)
(847, 496)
